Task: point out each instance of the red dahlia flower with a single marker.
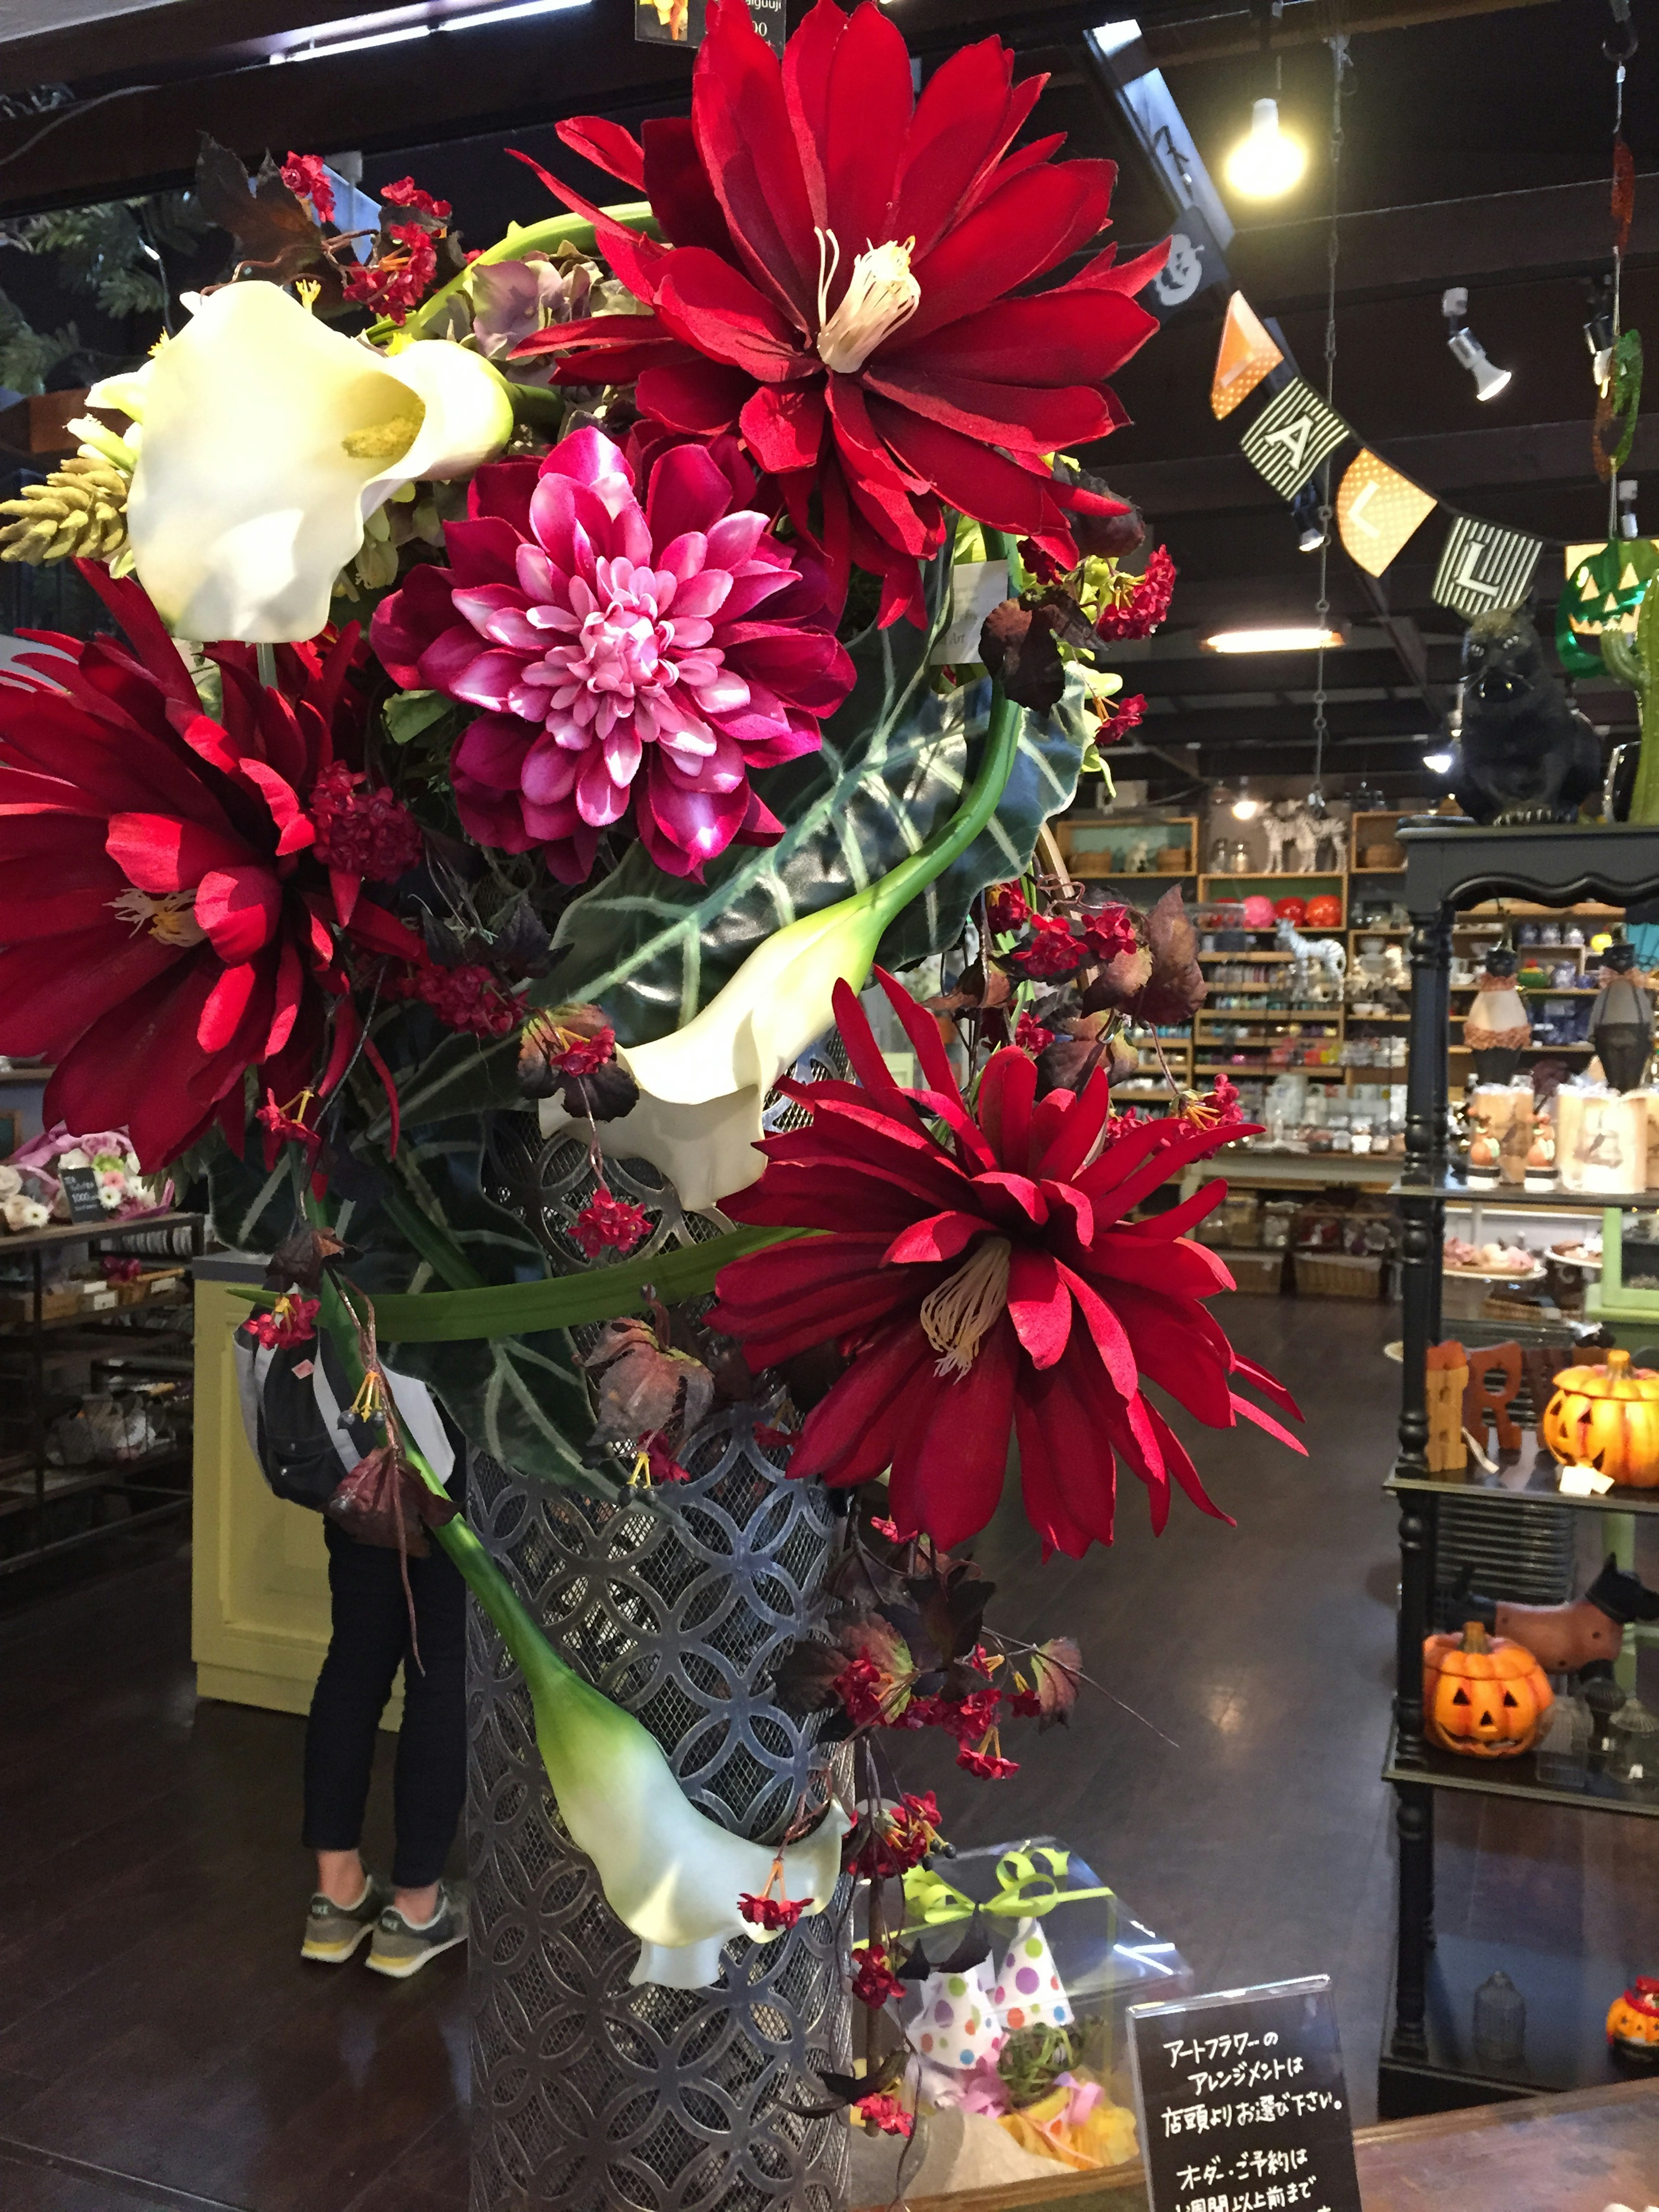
(165, 926)
(649, 655)
(837, 284)
(996, 1282)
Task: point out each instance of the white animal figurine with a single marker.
(1276, 828)
(1305, 830)
(1324, 953)
(1140, 857)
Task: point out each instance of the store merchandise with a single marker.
(1496, 1027)
(1500, 1121)
(1601, 1138)
(1633, 1757)
(1633, 2022)
(1621, 1018)
(1483, 1697)
(1606, 1416)
(1561, 1754)
(1499, 2024)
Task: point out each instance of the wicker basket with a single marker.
(1338, 1275)
(1262, 1272)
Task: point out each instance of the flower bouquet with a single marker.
(522, 739)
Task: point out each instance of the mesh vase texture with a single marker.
(588, 2095)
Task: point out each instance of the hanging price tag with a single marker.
(682, 22)
(976, 587)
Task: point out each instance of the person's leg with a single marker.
(429, 1784)
(369, 1634)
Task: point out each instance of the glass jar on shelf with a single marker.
(1561, 1754)
(1633, 1756)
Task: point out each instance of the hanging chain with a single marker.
(1322, 605)
(1617, 252)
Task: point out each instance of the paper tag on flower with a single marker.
(303, 1369)
(976, 587)
(957, 2024)
(1029, 1992)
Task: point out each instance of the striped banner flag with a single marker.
(1484, 566)
(1291, 436)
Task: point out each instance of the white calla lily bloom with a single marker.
(672, 1874)
(703, 1090)
(265, 440)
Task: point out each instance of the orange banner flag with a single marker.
(1377, 510)
(1246, 357)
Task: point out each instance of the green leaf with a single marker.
(407, 714)
(520, 1398)
(250, 1205)
(655, 949)
(1043, 784)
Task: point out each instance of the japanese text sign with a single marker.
(1243, 2102)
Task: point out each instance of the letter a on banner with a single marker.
(1376, 511)
(1290, 437)
(1484, 566)
(1247, 355)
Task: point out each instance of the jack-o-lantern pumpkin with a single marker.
(1603, 592)
(1482, 1694)
(1634, 2022)
(1608, 1418)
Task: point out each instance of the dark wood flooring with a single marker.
(162, 2043)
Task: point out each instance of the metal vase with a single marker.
(588, 2095)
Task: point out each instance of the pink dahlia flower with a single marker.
(653, 653)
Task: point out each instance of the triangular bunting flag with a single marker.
(1484, 566)
(1290, 437)
(1376, 511)
(1247, 355)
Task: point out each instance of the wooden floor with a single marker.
(162, 2043)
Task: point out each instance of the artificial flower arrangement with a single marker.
(524, 707)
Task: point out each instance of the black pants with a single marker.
(370, 1637)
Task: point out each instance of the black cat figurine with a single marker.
(1525, 755)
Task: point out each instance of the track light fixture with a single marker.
(1267, 161)
(1311, 529)
(1467, 350)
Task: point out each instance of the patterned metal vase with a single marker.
(588, 2095)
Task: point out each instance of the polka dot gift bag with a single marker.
(955, 2022)
(1027, 1991)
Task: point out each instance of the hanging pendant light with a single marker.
(1268, 162)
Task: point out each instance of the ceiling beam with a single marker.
(1499, 236)
(1220, 34)
(1448, 460)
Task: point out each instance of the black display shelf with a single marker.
(1427, 2064)
(1522, 1485)
(1567, 1996)
(1513, 1778)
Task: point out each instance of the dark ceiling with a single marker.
(1477, 150)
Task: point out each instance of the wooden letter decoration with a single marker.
(1481, 1403)
(1448, 1377)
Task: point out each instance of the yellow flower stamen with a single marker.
(369, 1404)
(170, 917)
(881, 295)
(956, 1318)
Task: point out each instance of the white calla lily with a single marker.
(703, 1090)
(265, 440)
(669, 1873)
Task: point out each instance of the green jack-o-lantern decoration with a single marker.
(1603, 592)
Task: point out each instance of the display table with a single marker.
(1577, 2153)
(1245, 1170)
(260, 1607)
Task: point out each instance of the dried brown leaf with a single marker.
(1177, 989)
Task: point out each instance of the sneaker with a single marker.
(334, 1932)
(401, 1949)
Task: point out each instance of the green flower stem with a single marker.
(1645, 799)
(543, 237)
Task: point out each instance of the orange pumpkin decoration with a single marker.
(1482, 1695)
(1634, 2022)
(1606, 1418)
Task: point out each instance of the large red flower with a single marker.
(165, 922)
(836, 286)
(991, 1284)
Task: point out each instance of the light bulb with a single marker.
(1245, 809)
(1437, 763)
(1267, 162)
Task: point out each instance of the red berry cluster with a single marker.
(308, 179)
(469, 998)
(1006, 908)
(1147, 604)
(608, 1220)
(363, 832)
